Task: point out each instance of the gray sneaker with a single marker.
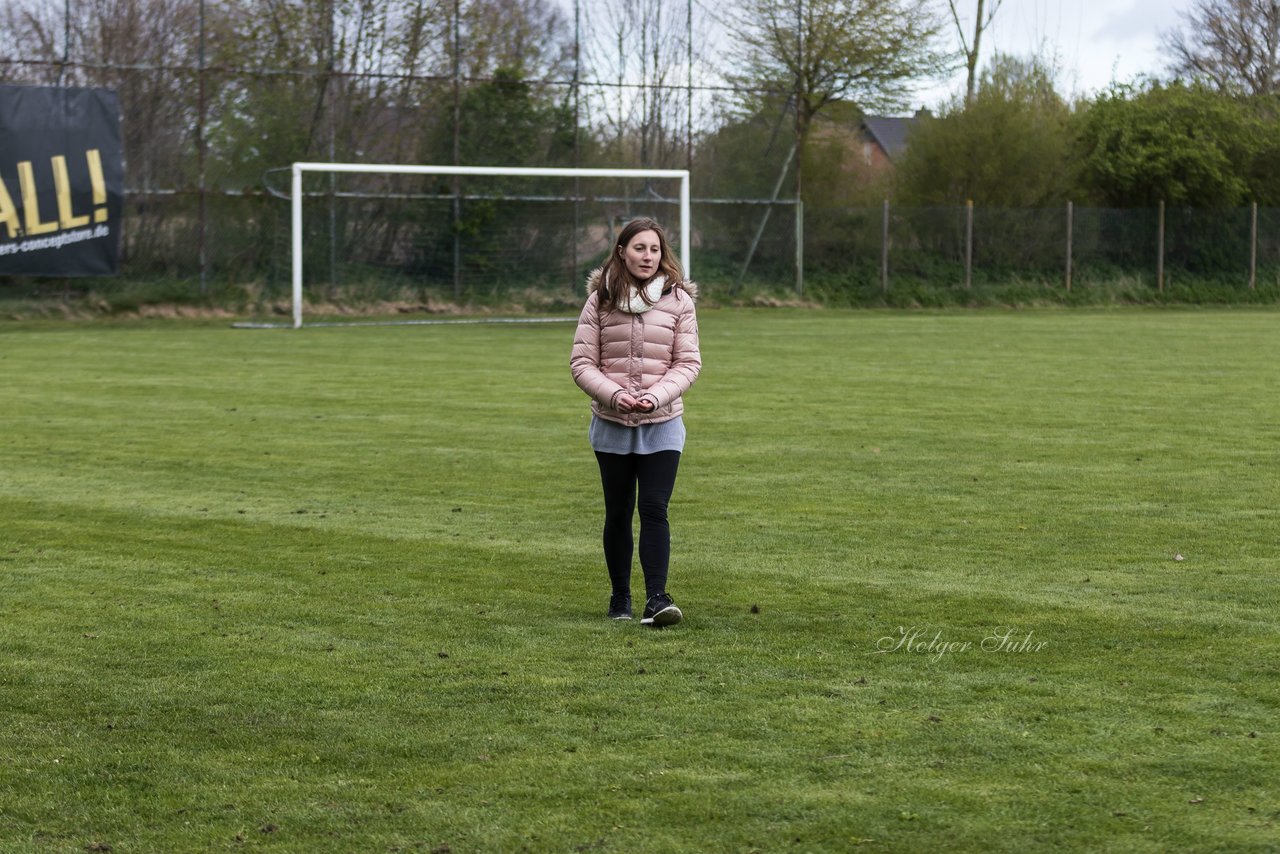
(660, 611)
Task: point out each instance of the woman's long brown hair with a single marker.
(618, 280)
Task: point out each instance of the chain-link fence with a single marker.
(486, 247)
(1067, 248)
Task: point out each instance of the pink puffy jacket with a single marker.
(651, 353)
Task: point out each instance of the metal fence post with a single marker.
(1253, 246)
(577, 125)
(799, 246)
(457, 149)
(1070, 225)
(1160, 249)
(884, 250)
(968, 244)
(202, 255)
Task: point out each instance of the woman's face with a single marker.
(642, 254)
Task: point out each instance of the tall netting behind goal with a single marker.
(383, 240)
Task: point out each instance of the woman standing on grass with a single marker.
(635, 353)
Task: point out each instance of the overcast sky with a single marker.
(1092, 41)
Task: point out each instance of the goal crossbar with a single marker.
(518, 171)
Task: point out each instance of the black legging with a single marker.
(655, 477)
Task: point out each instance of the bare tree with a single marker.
(869, 52)
(126, 45)
(30, 42)
(1235, 44)
(531, 35)
(638, 51)
(982, 18)
(358, 70)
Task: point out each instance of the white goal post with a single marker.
(296, 197)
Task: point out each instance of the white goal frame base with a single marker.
(549, 172)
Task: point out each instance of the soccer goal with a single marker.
(468, 230)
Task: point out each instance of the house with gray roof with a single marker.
(884, 138)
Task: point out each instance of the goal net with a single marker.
(405, 238)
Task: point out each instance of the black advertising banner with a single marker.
(61, 181)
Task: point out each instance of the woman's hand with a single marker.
(625, 402)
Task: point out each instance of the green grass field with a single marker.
(340, 590)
